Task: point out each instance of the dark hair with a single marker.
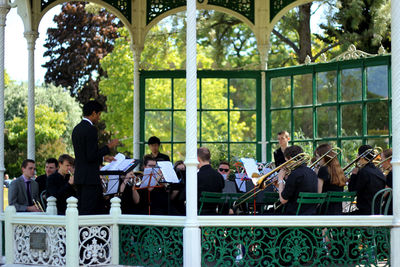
(204, 153)
(52, 160)
(154, 140)
(147, 158)
(364, 148)
(26, 161)
(387, 153)
(65, 157)
(224, 162)
(179, 162)
(91, 106)
(292, 151)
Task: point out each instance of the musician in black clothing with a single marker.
(330, 176)
(387, 170)
(51, 167)
(283, 138)
(60, 183)
(154, 145)
(301, 179)
(366, 181)
(208, 180)
(129, 195)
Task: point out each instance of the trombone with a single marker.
(381, 163)
(265, 180)
(374, 152)
(335, 150)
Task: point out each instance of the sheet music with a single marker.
(113, 184)
(168, 172)
(149, 177)
(241, 181)
(250, 166)
(119, 164)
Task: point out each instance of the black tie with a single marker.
(28, 191)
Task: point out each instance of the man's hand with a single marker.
(113, 143)
(71, 179)
(108, 158)
(33, 209)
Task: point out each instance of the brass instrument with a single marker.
(265, 180)
(380, 166)
(38, 205)
(375, 152)
(335, 150)
(136, 180)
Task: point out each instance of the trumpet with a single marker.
(267, 179)
(370, 155)
(335, 150)
(136, 180)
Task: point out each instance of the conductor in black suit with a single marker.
(88, 158)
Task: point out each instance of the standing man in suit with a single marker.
(23, 191)
(88, 158)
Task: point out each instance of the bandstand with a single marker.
(193, 240)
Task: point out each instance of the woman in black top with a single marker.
(330, 176)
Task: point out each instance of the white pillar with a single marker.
(51, 208)
(263, 49)
(137, 51)
(9, 234)
(115, 213)
(395, 232)
(4, 8)
(72, 229)
(191, 232)
(31, 37)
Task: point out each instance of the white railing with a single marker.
(46, 239)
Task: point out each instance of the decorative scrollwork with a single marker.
(95, 245)
(151, 245)
(352, 53)
(243, 7)
(295, 246)
(55, 251)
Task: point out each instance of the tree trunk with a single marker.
(304, 32)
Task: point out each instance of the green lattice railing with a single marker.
(259, 246)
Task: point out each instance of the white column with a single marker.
(263, 49)
(191, 232)
(4, 8)
(395, 232)
(72, 229)
(115, 213)
(31, 37)
(9, 234)
(137, 51)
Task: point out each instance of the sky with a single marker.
(16, 53)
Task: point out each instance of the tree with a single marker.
(47, 137)
(75, 48)
(364, 23)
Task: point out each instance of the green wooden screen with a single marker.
(346, 103)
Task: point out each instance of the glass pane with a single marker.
(243, 126)
(378, 118)
(179, 126)
(280, 92)
(351, 120)
(243, 151)
(243, 93)
(214, 126)
(179, 93)
(179, 152)
(377, 82)
(306, 146)
(158, 123)
(302, 86)
(218, 152)
(379, 142)
(303, 123)
(349, 150)
(280, 121)
(351, 84)
(214, 93)
(326, 121)
(158, 93)
(326, 86)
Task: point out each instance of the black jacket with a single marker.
(279, 157)
(367, 182)
(88, 156)
(58, 187)
(209, 180)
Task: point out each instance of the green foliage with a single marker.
(50, 126)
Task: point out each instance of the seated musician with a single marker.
(283, 138)
(154, 144)
(129, 195)
(225, 171)
(60, 183)
(301, 179)
(330, 176)
(208, 180)
(177, 190)
(366, 181)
